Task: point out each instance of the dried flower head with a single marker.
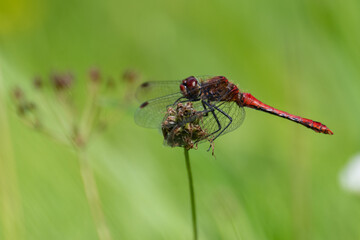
(37, 82)
(62, 81)
(95, 75)
(131, 75)
(181, 126)
(24, 107)
(18, 94)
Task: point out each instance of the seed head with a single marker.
(18, 94)
(95, 75)
(62, 81)
(25, 107)
(181, 126)
(37, 82)
(131, 75)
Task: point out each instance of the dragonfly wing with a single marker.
(151, 113)
(156, 89)
(211, 125)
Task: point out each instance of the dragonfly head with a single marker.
(190, 87)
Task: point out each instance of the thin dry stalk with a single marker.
(10, 202)
(92, 196)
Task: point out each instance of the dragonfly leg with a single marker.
(205, 109)
(226, 115)
(216, 118)
(214, 114)
(205, 113)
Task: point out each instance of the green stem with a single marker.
(11, 214)
(192, 193)
(92, 196)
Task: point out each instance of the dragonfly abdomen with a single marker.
(248, 100)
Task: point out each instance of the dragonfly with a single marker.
(220, 104)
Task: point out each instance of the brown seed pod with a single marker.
(62, 81)
(181, 126)
(95, 75)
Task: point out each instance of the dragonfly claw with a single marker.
(211, 147)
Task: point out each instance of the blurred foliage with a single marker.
(271, 179)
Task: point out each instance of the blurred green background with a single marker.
(271, 179)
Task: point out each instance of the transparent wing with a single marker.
(151, 113)
(156, 89)
(231, 109)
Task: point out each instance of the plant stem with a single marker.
(11, 212)
(192, 193)
(92, 196)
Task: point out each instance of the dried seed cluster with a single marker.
(181, 126)
(25, 108)
(62, 81)
(55, 111)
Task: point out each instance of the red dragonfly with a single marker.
(220, 101)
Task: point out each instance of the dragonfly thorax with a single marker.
(190, 88)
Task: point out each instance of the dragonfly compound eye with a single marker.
(190, 82)
(190, 87)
